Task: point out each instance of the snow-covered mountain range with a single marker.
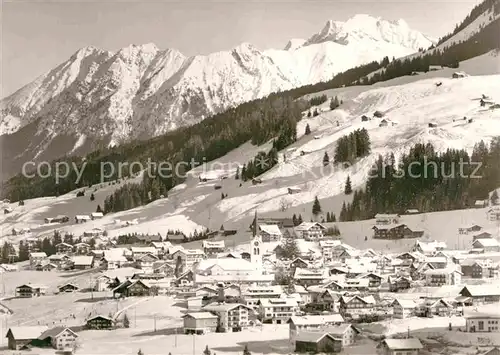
(142, 91)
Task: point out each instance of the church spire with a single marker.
(255, 230)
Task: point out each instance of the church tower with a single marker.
(256, 245)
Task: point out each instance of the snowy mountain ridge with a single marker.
(141, 91)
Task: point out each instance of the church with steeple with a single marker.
(255, 247)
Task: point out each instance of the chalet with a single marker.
(96, 215)
(99, 323)
(254, 294)
(440, 277)
(306, 277)
(60, 338)
(298, 263)
(394, 231)
(477, 268)
(270, 233)
(111, 262)
(231, 316)
(213, 247)
(19, 337)
(82, 262)
(484, 235)
(384, 123)
(310, 230)
(481, 203)
(94, 232)
(82, 248)
(407, 346)
(37, 258)
(494, 213)
(200, 323)
(412, 211)
(30, 290)
(294, 190)
(280, 222)
(82, 218)
(188, 257)
(327, 248)
(64, 248)
(138, 252)
(481, 293)
(438, 307)
(317, 342)
(185, 279)
(374, 279)
(432, 125)
(346, 333)
(46, 267)
(298, 324)
(403, 308)
(469, 228)
(458, 75)
(59, 259)
(429, 248)
(385, 219)
(162, 267)
(132, 288)
(356, 305)
(57, 219)
(146, 262)
(487, 244)
(277, 310)
(67, 288)
(482, 321)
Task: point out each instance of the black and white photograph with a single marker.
(249, 177)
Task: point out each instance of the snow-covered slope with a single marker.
(142, 91)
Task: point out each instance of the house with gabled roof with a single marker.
(356, 305)
(386, 218)
(231, 316)
(408, 346)
(466, 229)
(487, 244)
(317, 342)
(270, 233)
(131, 288)
(60, 338)
(99, 323)
(308, 277)
(64, 248)
(310, 230)
(200, 322)
(482, 293)
(211, 247)
(403, 308)
(69, 287)
(30, 290)
(82, 262)
(37, 258)
(375, 280)
(18, 337)
(298, 324)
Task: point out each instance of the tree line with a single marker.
(353, 146)
(428, 181)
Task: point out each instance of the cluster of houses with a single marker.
(322, 293)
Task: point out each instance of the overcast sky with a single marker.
(36, 36)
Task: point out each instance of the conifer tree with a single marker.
(206, 351)
(316, 208)
(299, 220)
(348, 187)
(328, 217)
(92, 197)
(334, 218)
(246, 351)
(294, 220)
(326, 159)
(308, 129)
(309, 114)
(126, 321)
(315, 113)
(98, 209)
(237, 176)
(494, 197)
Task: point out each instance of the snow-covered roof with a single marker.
(213, 244)
(39, 254)
(317, 319)
(54, 332)
(27, 332)
(271, 229)
(486, 242)
(311, 337)
(200, 315)
(278, 302)
(228, 264)
(407, 304)
(329, 243)
(97, 214)
(403, 344)
(82, 260)
(82, 217)
(305, 226)
(145, 250)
